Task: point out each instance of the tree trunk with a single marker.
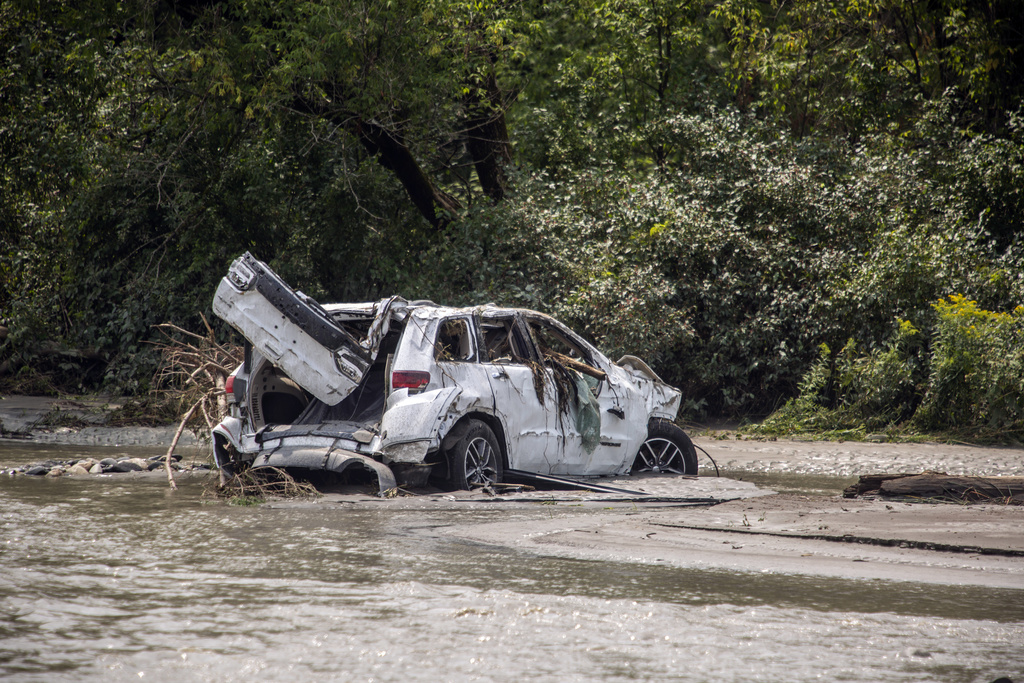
(487, 140)
(392, 153)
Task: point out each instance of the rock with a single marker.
(126, 466)
(77, 468)
(108, 463)
(96, 469)
(88, 463)
(37, 470)
(154, 465)
(56, 472)
(160, 458)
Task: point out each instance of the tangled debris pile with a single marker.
(194, 372)
(257, 485)
(58, 468)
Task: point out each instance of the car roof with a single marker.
(426, 309)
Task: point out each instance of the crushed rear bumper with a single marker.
(330, 460)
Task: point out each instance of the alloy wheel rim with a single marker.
(661, 455)
(481, 464)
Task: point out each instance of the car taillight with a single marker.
(229, 387)
(409, 379)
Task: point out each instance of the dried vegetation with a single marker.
(193, 371)
(253, 486)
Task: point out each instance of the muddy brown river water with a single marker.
(116, 578)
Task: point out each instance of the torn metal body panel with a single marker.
(662, 400)
(410, 425)
(409, 390)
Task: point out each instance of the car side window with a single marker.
(556, 346)
(502, 344)
(552, 343)
(454, 341)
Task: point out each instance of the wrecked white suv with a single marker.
(412, 390)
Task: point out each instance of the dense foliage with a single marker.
(968, 380)
(721, 187)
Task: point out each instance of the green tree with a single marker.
(848, 66)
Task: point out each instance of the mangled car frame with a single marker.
(411, 391)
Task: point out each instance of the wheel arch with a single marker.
(460, 427)
(666, 429)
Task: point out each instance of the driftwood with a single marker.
(174, 444)
(871, 483)
(265, 482)
(939, 486)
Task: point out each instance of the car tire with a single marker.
(666, 449)
(475, 459)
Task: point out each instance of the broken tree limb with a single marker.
(941, 486)
(174, 442)
(574, 364)
(195, 368)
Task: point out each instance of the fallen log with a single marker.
(870, 483)
(939, 486)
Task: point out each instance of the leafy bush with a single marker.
(855, 390)
(976, 382)
(970, 381)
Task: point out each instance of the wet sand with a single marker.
(820, 535)
(981, 545)
(756, 529)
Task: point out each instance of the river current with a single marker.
(115, 577)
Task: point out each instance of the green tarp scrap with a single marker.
(588, 411)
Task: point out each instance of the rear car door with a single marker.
(524, 402)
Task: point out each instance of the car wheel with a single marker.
(475, 460)
(667, 448)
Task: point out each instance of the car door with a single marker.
(456, 359)
(525, 404)
(620, 411)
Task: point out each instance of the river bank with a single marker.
(81, 421)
